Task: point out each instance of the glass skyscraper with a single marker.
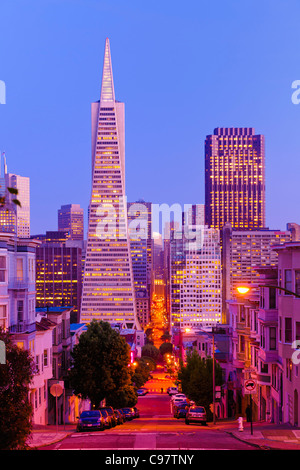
(235, 179)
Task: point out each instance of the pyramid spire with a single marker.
(107, 88)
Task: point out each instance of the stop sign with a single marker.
(56, 390)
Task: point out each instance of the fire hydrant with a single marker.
(240, 421)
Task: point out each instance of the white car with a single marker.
(172, 390)
(179, 396)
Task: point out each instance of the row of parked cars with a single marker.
(187, 409)
(105, 418)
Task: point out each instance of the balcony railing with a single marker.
(22, 327)
(19, 283)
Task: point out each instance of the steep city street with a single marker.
(155, 429)
(158, 319)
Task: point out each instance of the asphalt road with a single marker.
(156, 430)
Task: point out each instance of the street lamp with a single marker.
(214, 372)
(245, 289)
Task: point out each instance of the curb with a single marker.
(253, 444)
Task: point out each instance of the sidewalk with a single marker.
(265, 436)
(45, 435)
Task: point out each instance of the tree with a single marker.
(141, 372)
(3, 199)
(150, 351)
(166, 348)
(197, 379)
(166, 336)
(16, 410)
(100, 366)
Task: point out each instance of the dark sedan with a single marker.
(89, 420)
(129, 413)
(181, 410)
(141, 392)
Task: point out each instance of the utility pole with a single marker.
(214, 380)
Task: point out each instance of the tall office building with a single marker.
(14, 218)
(235, 179)
(108, 289)
(22, 184)
(70, 219)
(58, 272)
(140, 230)
(196, 214)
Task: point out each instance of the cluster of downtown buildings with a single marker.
(52, 285)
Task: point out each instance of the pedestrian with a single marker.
(162, 390)
(248, 413)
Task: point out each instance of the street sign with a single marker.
(250, 386)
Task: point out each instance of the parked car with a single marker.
(142, 391)
(90, 420)
(196, 414)
(110, 411)
(129, 413)
(181, 410)
(122, 414)
(172, 390)
(119, 416)
(107, 418)
(178, 396)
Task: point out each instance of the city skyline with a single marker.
(263, 102)
(154, 244)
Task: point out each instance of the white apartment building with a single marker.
(200, 300)
(289, 329)
(17, 314)
(40, 385)
(242, 252)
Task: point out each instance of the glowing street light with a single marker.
(243, 290)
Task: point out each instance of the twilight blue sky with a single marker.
(182, 69)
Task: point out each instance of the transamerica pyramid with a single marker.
(108, 287)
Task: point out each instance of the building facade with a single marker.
(140, 234)
(59, 272)
(289, 329)
(22, 184)
(243, 251)
(71, 220)
(196, 277)
(14, 218)
(17, 315)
